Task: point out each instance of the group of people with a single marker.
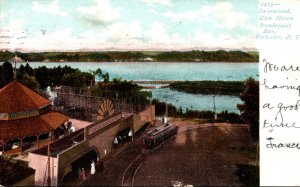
(66, 128)
(82, 173)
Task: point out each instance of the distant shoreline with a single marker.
(125, 62)
(135, 56)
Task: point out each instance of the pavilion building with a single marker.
(25, 115)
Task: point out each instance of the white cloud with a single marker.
(15, 26)
(202, 39)
(14, 32)
(225, 16)
(51, 8)
(129, 36)
(116, 35)
(2, 15)
(57, 40)
(157, 33)
(221, 15)
(194, 16)
(159, 38)
(100, 13)
(224, 23)
(153, 2)
(119, 35)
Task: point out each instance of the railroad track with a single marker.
(128, 177)
(129, 174)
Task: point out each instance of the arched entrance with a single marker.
(84, 161)
(81, 163)
(122, 137)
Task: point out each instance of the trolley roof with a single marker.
(160, 129)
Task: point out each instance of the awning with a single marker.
(25, 127)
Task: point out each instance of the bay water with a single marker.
(174, 71)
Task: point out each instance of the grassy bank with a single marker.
(207, 116)
(209, 87)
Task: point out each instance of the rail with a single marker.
(131, 170)
(129, 174)
(81, 103)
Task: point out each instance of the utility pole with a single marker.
(215, 114)
(49, 171)
(166, 107)
(151, 117)
(166, 115)
(15, 68)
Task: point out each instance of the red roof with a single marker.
(14, 97)
(21, 128)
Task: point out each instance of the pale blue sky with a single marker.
(43, 25)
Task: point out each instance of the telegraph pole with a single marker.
(151, 115)
(49, 171)
(15, 68)
(215, 114)
(166, 107)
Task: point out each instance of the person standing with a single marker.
(93, 169)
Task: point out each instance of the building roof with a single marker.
(14, 97)
(36, 125)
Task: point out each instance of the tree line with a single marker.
(41, 77)
(206, 115)
(209, 87)
(136, 56)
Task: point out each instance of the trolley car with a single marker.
(160, 134)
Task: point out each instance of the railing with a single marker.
(103, 123)
(80, 103)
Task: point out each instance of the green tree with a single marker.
(5, 55)
(105, 77)
(28, 69)
(6, 73)
(250, 108)
(42, 76)
(77, 79)
(21, 72)
(30, 82)
(102, 76)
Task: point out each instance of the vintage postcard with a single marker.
(148, 92)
